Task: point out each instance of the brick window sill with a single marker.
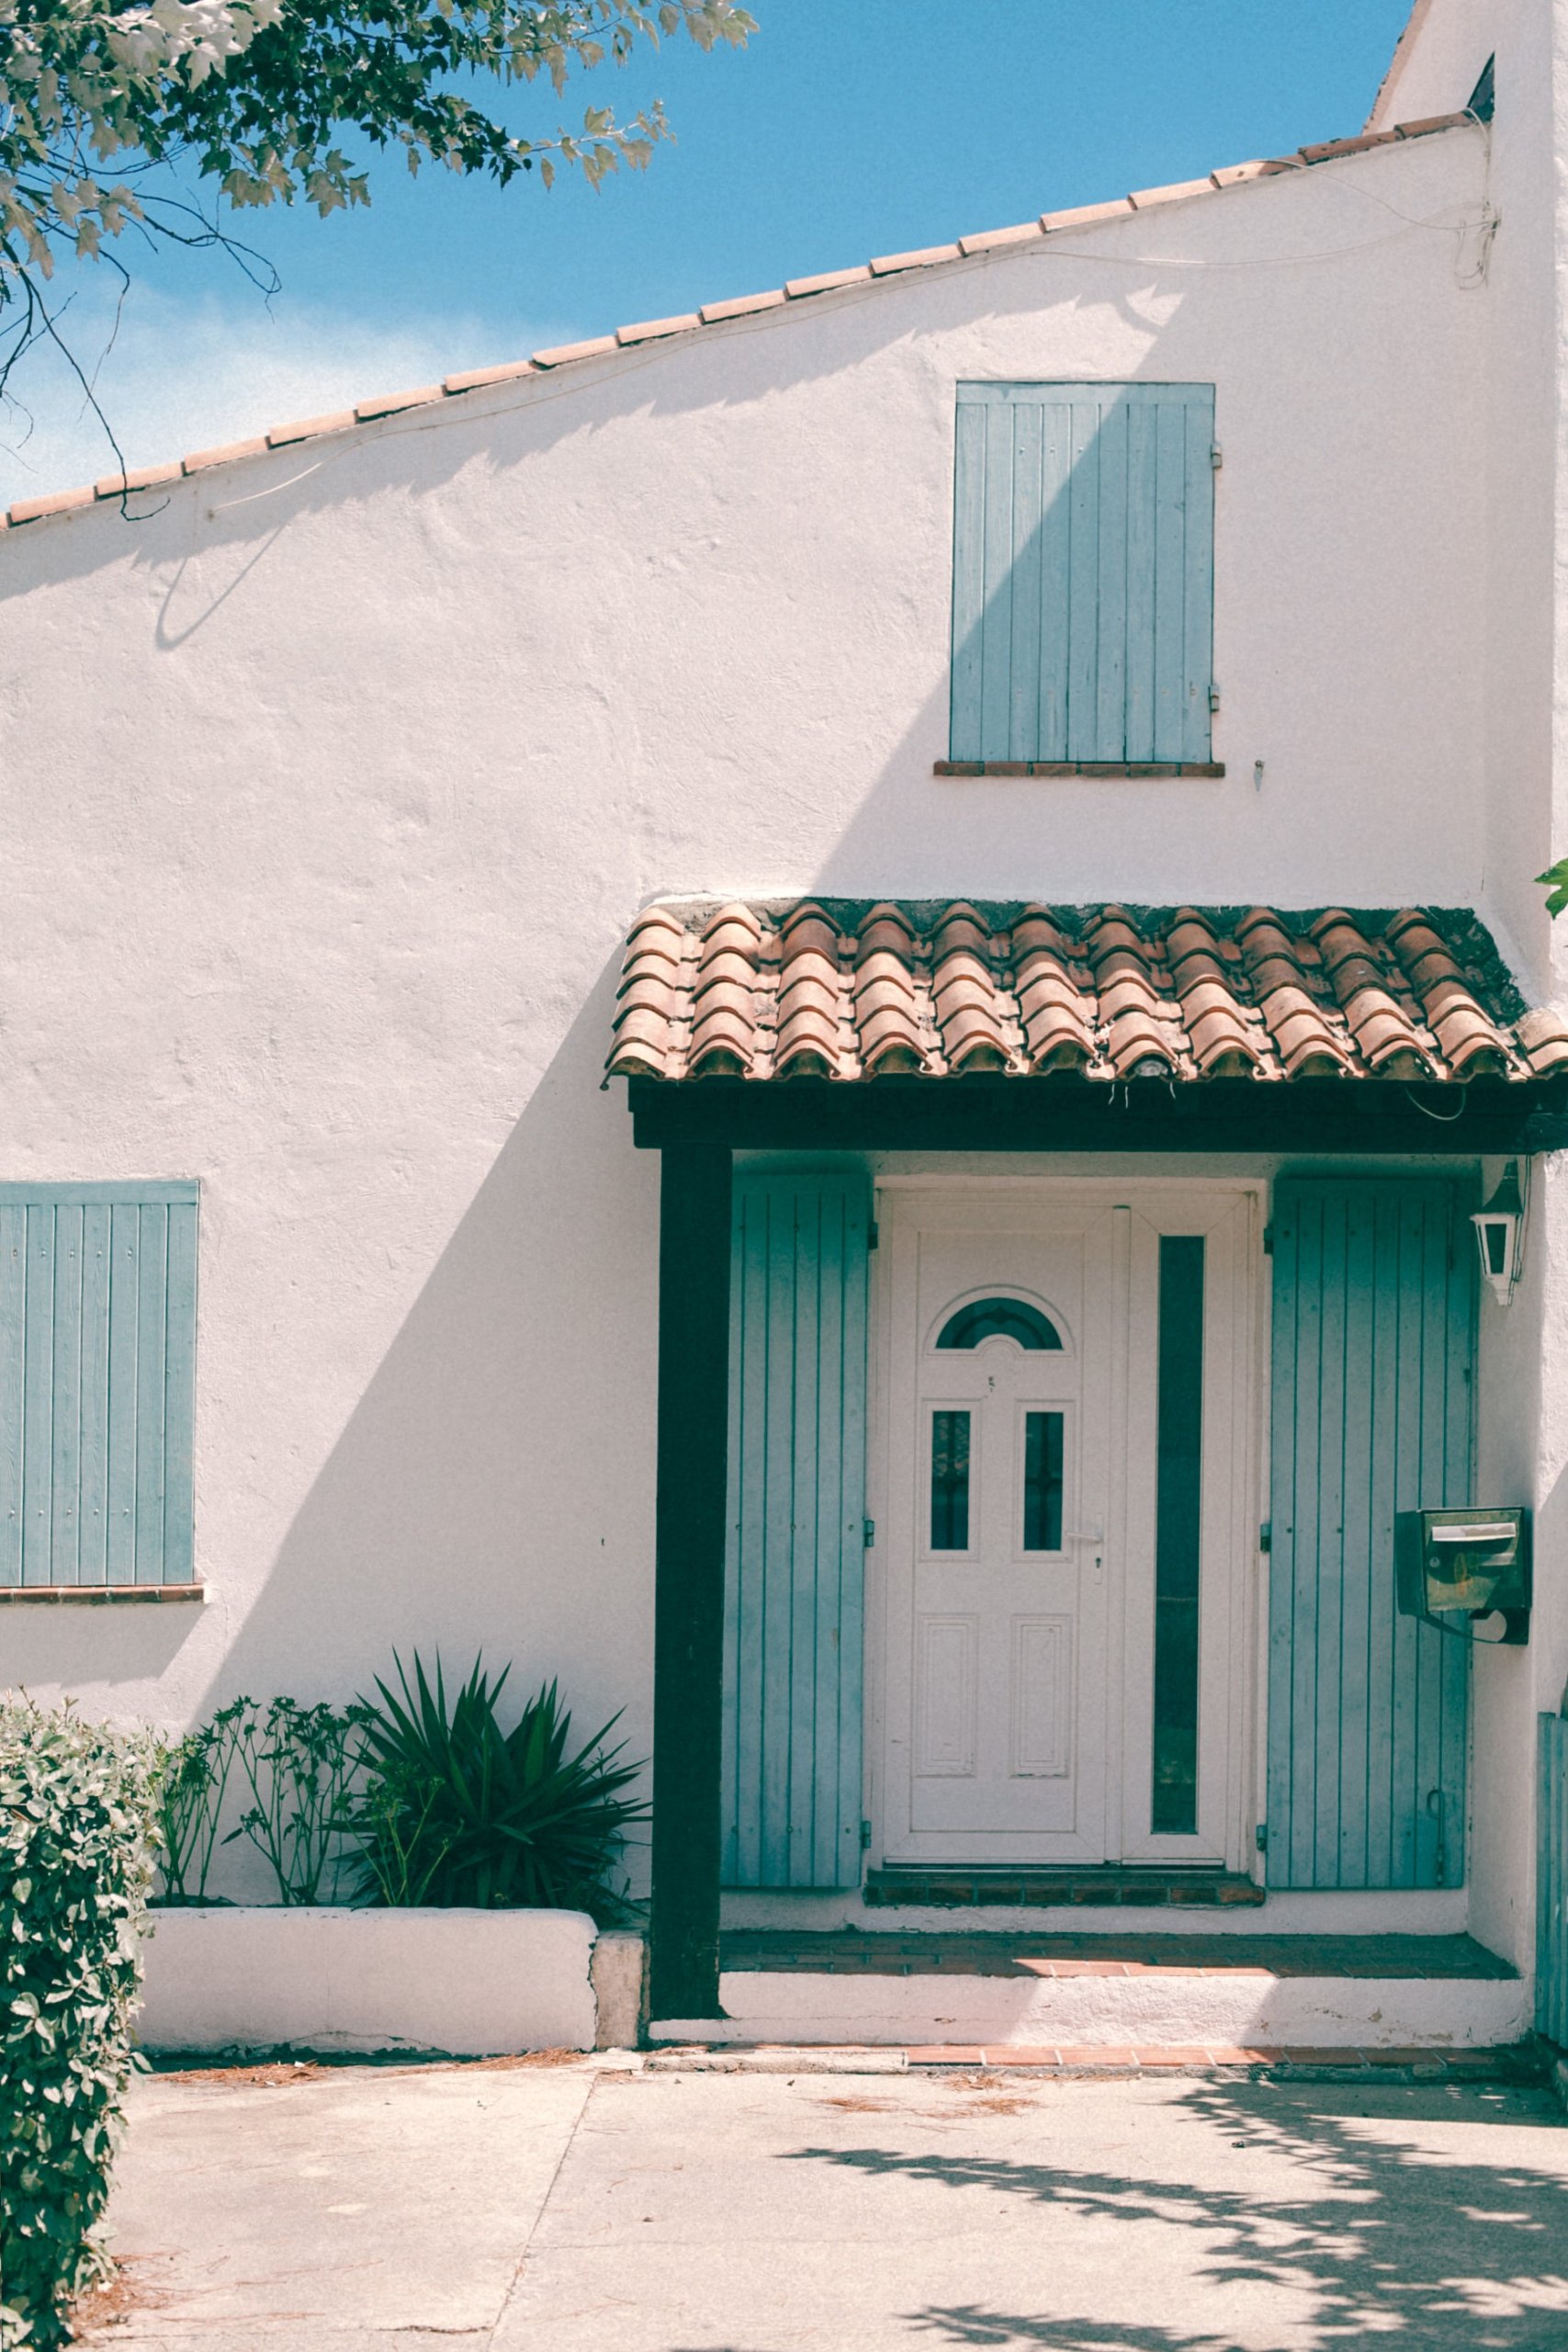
(99, 1594)
(1130, 768)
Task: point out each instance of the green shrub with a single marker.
(193, 1777)
(299, 1764)
(76, 1852)
(454, 1810)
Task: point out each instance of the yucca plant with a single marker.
(452, 1810)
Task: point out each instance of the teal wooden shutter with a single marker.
(1552, 1879)
(794, 1575)
(97, 1384)
(1373, 1353)
(1083, 566)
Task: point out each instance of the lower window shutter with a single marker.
(1374, 1357)
(97, 1384)
(795, 1565)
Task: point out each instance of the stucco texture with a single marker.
(332, 782)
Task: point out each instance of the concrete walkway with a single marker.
(527, 2209)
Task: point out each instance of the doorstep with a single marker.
(1107, 1884)
(1124, 1993)
(841, 1951)
(1512, 2062)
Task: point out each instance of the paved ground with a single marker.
(371, 2210)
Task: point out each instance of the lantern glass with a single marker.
(1498, 1232)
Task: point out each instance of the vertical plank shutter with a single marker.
(1083, 572)
(795, 1572)
(1552, 1879)
(97, 1384)
(1373, 1353)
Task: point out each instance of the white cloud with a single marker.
(188, 375)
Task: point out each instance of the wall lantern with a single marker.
(1500, 1236)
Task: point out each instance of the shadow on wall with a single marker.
(733, 367)
(494, 1485)
(1320, 2216)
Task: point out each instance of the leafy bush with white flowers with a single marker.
(76, 1856)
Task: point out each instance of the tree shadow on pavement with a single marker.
(1403, 2230)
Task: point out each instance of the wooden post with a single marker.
(689, 1546)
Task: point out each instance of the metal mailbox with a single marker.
(1466, 1570)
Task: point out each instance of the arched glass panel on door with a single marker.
(1004, 1318)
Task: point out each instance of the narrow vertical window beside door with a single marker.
(1178, 1522)
(950, 1481)
(1042, 1451)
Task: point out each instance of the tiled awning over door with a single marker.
(849, 990)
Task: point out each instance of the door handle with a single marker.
(1090, 1535)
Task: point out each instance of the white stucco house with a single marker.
(798, 1014)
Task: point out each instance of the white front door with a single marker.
(1065, 1548)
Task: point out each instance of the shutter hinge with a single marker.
(1261, 1836)
(1216, 455)
(865, 1836)
(1213, 697)
(873, 1235)
(870, 1533)
(1267, 1241)
(1266, 1536)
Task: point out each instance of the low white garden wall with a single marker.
(471, 1982)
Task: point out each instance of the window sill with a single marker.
(1130, 768)
(100, 1593)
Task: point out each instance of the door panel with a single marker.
(997, 1673)
(792, 1620)
(1028, 1547)
(1373, 1339)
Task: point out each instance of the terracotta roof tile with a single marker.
(885, 265)
(1430, 122)
(389, 404)
(1544, 1037)
(985, 239)
(827, 281)
(1327, 149)
(59, 502)
(309, 428)
(226, 453)
(1144, 198)
(843, 989)
(562, 354)
(713, 314)
(655, 330)
(743, 306)
(1083, 216)
(137, 477)
(474, 380)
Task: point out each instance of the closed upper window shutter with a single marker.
(97, 1384)
(1083, 572)
(1373, 1356)
(795, 1565)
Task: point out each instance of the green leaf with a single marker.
(1556, 878)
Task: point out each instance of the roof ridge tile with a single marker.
(628, 337)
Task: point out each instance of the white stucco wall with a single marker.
(330, 789)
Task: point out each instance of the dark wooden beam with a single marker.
(1348, 1117)
(690, 1518)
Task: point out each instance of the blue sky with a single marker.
(846, 128)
